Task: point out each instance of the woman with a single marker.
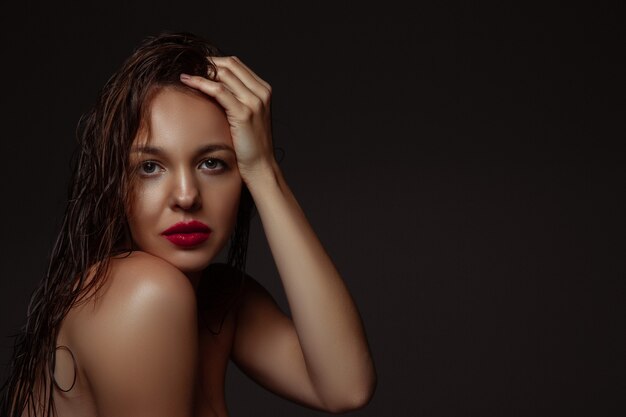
(132, 318)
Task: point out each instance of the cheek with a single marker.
(143, 210)
(225, 205)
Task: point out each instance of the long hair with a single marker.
(94, 226)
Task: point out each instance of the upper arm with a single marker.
(266, 347)
(142, 348)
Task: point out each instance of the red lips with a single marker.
(187, 234)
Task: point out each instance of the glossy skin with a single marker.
(186, 170)
(140, 347)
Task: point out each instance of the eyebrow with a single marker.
(157, 150)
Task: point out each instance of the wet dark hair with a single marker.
(94, 226)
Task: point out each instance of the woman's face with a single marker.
(187, 188)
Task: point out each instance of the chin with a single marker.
(189, 261)
(186, 260)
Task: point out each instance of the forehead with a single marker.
(179, 117)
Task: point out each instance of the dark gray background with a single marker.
(462, 165)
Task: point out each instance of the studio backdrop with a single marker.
(463, 167)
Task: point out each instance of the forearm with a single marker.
(325, 317)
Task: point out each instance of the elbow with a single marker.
(356, 399)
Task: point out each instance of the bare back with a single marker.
(74, 393)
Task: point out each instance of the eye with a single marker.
(148, 168)
(213, 164)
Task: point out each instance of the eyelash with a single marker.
(220, 162)
(222, 166)
(142, 165)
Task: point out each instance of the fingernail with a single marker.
(184, 77)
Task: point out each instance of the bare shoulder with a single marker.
(131, 279)
(141, 268)
(138, 342)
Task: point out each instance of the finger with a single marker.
(219, 92)
(233, 62)
(239, 89)
(255, 83)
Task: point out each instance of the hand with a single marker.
(245, 98)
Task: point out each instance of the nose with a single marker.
(186, 194)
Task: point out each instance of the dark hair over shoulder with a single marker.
(94, 226)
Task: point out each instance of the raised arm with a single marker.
(321, 354)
